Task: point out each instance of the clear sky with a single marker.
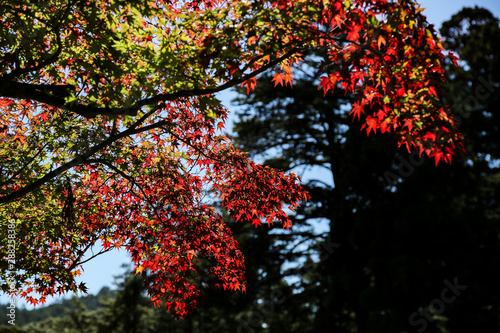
(100, 271)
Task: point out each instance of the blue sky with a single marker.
(101, 271)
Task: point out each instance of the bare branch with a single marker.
(95, 255)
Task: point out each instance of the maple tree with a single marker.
(109, 127)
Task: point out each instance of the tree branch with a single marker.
(18, 172)
(83, 110)
(50, 60)
(80, 159)
(129, 178)
(95, 255)
(55, 94)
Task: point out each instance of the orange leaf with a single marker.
(381, 40)
(278, 79)
(250, 84)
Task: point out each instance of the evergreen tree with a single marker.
(407, 230)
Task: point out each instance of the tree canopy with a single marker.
(109, 126)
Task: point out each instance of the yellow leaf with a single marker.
(139, 269)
